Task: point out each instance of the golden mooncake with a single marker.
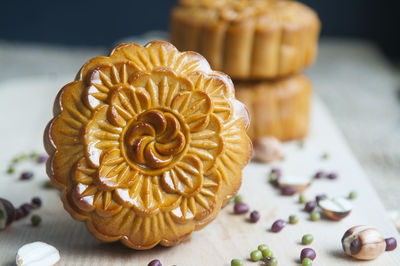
(279, 108)
(147, 144)
(248, 39)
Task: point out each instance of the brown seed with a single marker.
(155, 263)
(276, 171)
(7, 213)
(307, 253)
(319, 174)
(320, 197)
(26, 175)
(288, 191)
(391, 243)
(310, 206)
(277, 225)
(254, 216)
(42, 158)
(240, 208)
(36, 202)
(332, 176)
(19, 213)
(26, 208)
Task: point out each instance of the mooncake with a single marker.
(279, 108)
(147, 144)
(248, 39)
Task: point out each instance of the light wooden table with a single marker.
(25, 108)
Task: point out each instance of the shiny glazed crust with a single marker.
(147, 144)
(248, 39)
(277, 108)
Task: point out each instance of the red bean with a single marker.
(240, 208)
(391, 243)
(26, 175)
(310, 206)
(307, 253)
(319, 174)
(288, 191)
(254, 216)
(277, 225)
(332, 176)
(155, 263)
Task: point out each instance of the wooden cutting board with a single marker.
(25, 108)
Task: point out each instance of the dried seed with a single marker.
(277, 225)
(391, 243)
(307, 253)
(155, 263)
(240, 208)
(254, 216)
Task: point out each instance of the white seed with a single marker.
(395, 216)
(267, 149)
(37, 254)
(336, 208)
(300, 183)
(363, 242)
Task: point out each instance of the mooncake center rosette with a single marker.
(154, 140)
(147, 144)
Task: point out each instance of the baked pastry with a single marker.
(277, 108)
(147, 144)
(248, 39)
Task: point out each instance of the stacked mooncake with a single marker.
(263, 45)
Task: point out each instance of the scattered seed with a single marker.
(256, 255)
(352, 195)
(301, 144)
(267, 253)
(26, 208)
(277, 225)
(19, 158)
(36, 220)
(332, 176)
(236, 262)
(302, 199)
(7, 213)
(319, 174)
(325, 156)
(293, 219)
(288, 191)
(315, 216)
(271, 261)
(19, 213)
(320, 197)
(391, 243)
(33, 155)
(307, 253)
(307, 239)
(26, 175)
(47, 184)
(306, 262)
(262, 247)
(36, 202)
(254, 216)
(238, 198)
(42, 158)
(277, 171)
(11, 169)
(240, 208)
(155, 263)
(310, 206)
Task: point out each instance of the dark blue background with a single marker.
(102, 22)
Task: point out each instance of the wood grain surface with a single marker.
(25, 107)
